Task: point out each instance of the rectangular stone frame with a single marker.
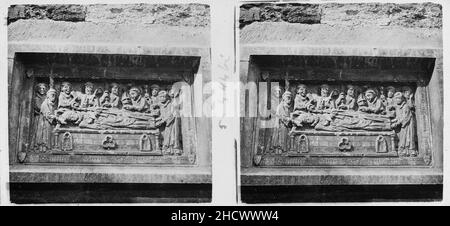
(200, 172)
(431, 145)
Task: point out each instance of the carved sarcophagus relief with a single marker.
(340, 111)
(104, 109)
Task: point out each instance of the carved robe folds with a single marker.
(280, 137)
(45, 124)
(170, 116)
(407, 131)
(38, 100)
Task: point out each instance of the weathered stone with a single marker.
(305, 14)
(54, 12)
(426, 15)
(16, 12)
(192, 15)
(67, 12)
(292, 13)
(250, 15)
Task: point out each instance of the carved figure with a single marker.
(374, 104)
(46, 122)
(302, 105)
(111, 99)
(404, 123)
(170, 118)
(325, 101)
(40, 96)
(280, 136)
(302, 102)
(390, 95)
(348, 101)
(137, 102)
(361, 102)
(89, 97)
(154, 100)
(67, 98)
(105, 100)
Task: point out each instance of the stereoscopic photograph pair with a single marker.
(339, 102)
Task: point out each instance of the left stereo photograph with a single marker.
(106, 103)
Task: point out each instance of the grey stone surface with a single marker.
(298, 13)
(48, 31)
(192, 15)
(339, 176)
(288, 34)
(72, 13)
(108, 174)
(424, 15)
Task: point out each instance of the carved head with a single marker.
(171, 93)
(155, 90)
(301, 89)
(106, 97)
(147, 96)
(135, 92)
(398, 98)
(324, 90)
(175, 90)
(277, 92)
(287, 97)
(361, 101)
(51, 95)
(66, 87)
(115, 88)
(88, 88)
(163, 96)
(407, 91)
(370, 94)
(390, 91)
(41, 88)
(350, 90)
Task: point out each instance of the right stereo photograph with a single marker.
(341, 102)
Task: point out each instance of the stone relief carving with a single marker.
(109, 143)
(385, 115)
(148, 118)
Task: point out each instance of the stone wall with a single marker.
(195, 15)
(425, 15)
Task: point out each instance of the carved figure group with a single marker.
(110, 109)
(337, 111)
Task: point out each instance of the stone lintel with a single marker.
(248, 50)
(104, 48)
